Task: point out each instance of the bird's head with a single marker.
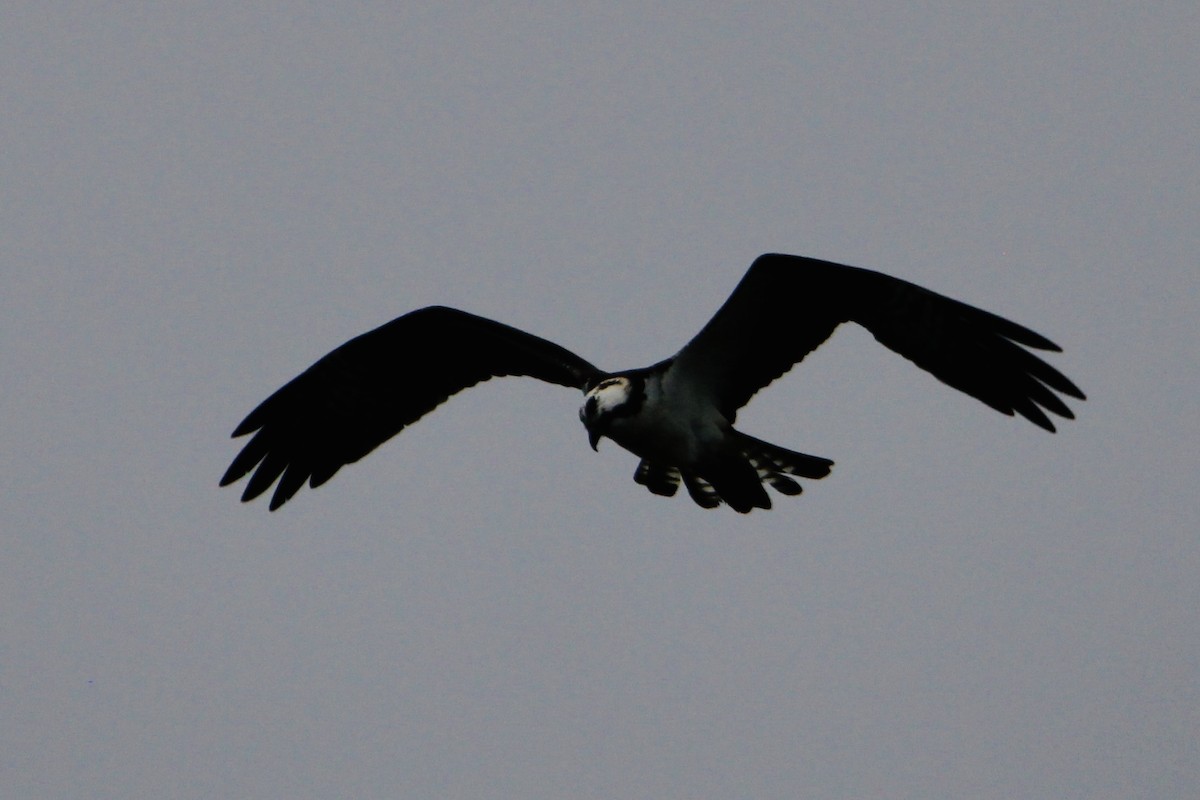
(604, 402)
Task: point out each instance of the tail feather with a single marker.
(701, 491)
(737, 478)
(774, 459)
(660, 480)
(736, 481)
(782, 483)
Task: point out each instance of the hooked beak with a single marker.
(594, 438)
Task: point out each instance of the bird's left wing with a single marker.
(366, 391)
(786, 306)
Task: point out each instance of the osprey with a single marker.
(677, 416)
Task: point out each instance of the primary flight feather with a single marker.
(677, 415)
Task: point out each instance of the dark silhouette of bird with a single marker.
(677, 415)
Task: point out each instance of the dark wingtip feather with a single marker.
(1043, 422)
(268, 471)
(230, 476)
(278, 499)
(289, 483)
(250, 424)
(1072, 390)
(246, 460)
(1020, 334)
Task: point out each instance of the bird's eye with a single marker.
(589, 408)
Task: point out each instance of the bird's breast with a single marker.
(669, 430)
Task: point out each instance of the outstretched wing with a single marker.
(366, 391)
(786, 306)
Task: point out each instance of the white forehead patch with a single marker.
(611, 393)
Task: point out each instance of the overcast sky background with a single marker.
(199, 200)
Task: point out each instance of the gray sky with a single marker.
(201, 199)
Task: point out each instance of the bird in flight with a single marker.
(677, 416)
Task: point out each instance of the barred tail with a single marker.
(737, 482)
(771, 461)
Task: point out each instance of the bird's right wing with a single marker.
(786, 306)
(367, 390)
